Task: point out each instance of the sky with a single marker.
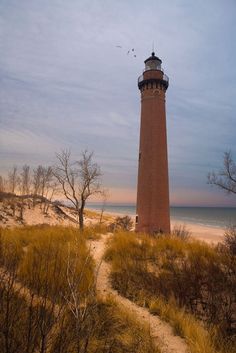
(64, 83)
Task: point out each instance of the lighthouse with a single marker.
(153, 213)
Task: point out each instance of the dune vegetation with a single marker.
(188, 283)
(48, 300)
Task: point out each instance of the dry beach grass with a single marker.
(36, 257)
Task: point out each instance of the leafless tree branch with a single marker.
(226, 178)
(78, 180)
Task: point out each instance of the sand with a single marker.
(211, 235)
(33, 216)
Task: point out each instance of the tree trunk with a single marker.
(22, 210)
(81, 219)
(101, 215)
(81, 215)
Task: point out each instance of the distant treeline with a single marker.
(77, 181)
(27, 180)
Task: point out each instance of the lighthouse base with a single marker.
(163, 228)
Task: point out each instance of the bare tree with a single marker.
(79, 180)
(3, 184)
(44, 186)
(13, 179)
(225, 178)
(42, 179)
(37, 180)
(25, 180)
(105, 195)
(50, 187)
(46, 179)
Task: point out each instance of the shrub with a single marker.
(181, 231)
(107, 329)
(22, 325)
(185, 325)
(48, 259)
(230, 239)
(11, 250)
(122, 223)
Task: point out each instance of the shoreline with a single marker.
(207, 233)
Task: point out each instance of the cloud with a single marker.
(64, 83)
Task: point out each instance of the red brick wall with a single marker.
(153, 186)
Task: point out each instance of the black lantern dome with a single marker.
(153, 63)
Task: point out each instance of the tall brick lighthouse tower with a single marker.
(153, 215)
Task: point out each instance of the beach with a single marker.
(209, 234)
(204, 226)
(212, 234)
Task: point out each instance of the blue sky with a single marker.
(65, 84)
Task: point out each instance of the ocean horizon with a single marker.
(220, 217)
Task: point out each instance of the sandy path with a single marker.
(161, 332)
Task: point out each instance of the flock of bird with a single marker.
(129, 52)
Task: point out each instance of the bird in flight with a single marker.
(129, 51)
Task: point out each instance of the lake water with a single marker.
(207, 216)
